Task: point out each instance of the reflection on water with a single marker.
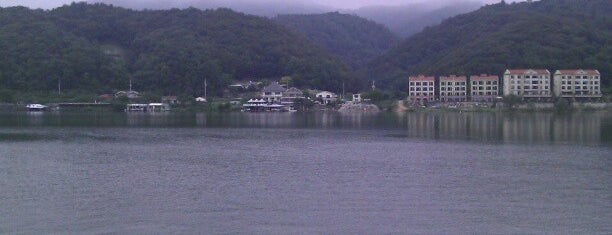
(523, 127)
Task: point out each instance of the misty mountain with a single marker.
(552, 34)
(410, 19)
(354, 39)
(98, 48)
(269, 8)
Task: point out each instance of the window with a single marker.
(418, 83)
(443, 83)
(411, 83)
(411, 88)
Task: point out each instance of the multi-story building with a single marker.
(527, 83)
(420, 88)
(453, 88)
(484, 88)
(273, 93)
(577, 83)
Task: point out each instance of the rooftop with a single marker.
(274, 87)
(578, 71)
(524, 71)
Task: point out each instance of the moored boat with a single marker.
(36, 107)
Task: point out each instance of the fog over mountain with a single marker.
(403, 17)
(407, 20)
(248, 6)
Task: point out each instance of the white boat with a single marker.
(260, 105)
(36, 107)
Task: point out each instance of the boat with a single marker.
(36, 107)
(261, 105)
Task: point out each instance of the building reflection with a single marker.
(507, 127)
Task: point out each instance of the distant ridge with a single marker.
(354, 39)
(552, 34)
(98, 48)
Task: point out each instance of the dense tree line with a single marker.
(552, 34)
(354, 39)
(99, 48)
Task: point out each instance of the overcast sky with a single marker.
(339, 4)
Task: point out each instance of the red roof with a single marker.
(577, 71)
(420, 78)
(523, 71)
(483, 77)
(453, 78)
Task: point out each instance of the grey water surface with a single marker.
(287, 173)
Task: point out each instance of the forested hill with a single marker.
(551, 34)
(98, 48)
(354, 39)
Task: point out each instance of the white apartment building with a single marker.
(484, 88)
(577, 83)
(420, 88)
(528, 83)
(453, 89)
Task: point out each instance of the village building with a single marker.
(484, 88)
(289, 96)
(421, 89)
(577, 83)
(128, 94)
(327, 97)
(528, 83)
(357, 98)
(273, 93)
(171, 99)
(453, 88)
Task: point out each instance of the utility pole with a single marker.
(205, 86)
(59, 85)
(342, 90)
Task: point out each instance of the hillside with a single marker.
(549, 34)
(355, 40)
(97, 48)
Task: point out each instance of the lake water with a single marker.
(271, 173)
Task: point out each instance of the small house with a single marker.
(273, 93)
(327, 97)
(170, 100)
